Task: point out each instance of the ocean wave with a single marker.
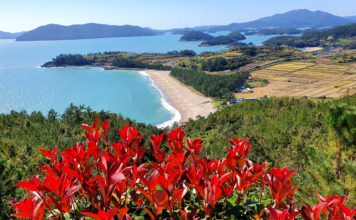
(166, 103)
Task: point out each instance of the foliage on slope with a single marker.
(283, 131)
(286, 131)
(106, 180)
(22, 134)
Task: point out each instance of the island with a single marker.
(222, 40)
(237, 36)
(84, 31)
(196, 36)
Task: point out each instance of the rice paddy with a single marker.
(343, 83)
(307, 79)
(291, 66)
(248, 95)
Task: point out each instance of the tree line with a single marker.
(131, 62)
(69, 60)
(220, 86)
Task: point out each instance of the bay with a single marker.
(25, 86)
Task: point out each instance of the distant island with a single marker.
(196, 36)
(85, 31)
(229, 40)
(285, 23)
(327, 38)
(222, 40)
(276, 31)
(8, 35)
(291, 19)
(237, 36)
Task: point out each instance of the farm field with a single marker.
(307, 79)
(290, 66)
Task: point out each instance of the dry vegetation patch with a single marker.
(290, 66)
(307, 79)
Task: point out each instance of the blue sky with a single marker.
(22, 15)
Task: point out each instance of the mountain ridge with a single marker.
(84, 31)
(291, 19)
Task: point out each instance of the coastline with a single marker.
(177, 98)
(166, 102)
(188, 103)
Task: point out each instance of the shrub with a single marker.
(105, 180)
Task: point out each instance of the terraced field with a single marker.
(290, 66)
(307, 79)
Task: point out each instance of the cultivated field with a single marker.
(307, 79)
(290, 66)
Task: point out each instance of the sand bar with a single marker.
(189, 103)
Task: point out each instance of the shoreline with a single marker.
(166, 102)
(188, 103)
(177, 98)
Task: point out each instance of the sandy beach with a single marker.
(188, 103)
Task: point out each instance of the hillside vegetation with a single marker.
(210, 85)
(298, 133)
(238, 57)
(288, 132)
(121, 60)
(23, 134)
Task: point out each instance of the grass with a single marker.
(258, 83)
(233, 54)
(217, 104)
(345, 41)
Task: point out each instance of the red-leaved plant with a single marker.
(103, 180)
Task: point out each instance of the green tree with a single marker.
(9, 176)
(341, 118)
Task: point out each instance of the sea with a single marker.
(25, 86)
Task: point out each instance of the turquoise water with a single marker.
(25, 86)
(257, 40)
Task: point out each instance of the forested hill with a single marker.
(319, 38)
(222, 40)
(196, 36)
(85, 31)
